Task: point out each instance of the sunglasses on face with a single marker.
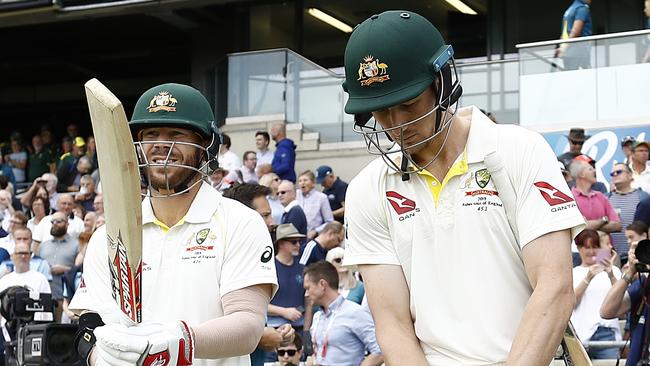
(282, 192)
(276, 179)
(576, 142)
(290, 352)
(616, 172)
(338, 260)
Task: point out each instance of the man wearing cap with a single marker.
(576, 139)
(450, 279)
(597, 186)
(639, 165)
(72, 166)
(288, 305)
(334, 189)
(627, 143)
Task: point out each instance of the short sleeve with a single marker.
(544, 201)
(582, 13)
(248, 258)
(368, 239)
(95, 292)
(44, 286)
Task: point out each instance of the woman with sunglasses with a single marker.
(349, 287)
(272, 181)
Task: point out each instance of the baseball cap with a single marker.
(586, 159)
(79, 142)
(644, 143)
(287, 231)
(322, 172)
(627, 139)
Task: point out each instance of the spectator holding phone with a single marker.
(592, 280)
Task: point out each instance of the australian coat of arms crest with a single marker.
(163, 101)
(371, 70)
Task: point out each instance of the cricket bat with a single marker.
(574, 352)
(120, 179)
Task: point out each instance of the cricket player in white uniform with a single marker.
(450, 279)
(208, 271)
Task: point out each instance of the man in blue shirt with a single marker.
(576, 22)
(284, 158)
(343, 331)
(334, 189)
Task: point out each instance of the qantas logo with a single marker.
(552, 195)
(400, 204)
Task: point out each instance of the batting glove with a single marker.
(147, 344)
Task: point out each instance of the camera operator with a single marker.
(630, 293)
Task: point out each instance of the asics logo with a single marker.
(552, 195)
(400, 204)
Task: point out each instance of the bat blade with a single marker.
(120, 179)
(575, 353)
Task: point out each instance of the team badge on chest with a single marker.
(482, 177)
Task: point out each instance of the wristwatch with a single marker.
(605, 219)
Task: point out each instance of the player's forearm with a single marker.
(542, 326)
(399, 344)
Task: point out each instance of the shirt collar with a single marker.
(291, 205)
(335, 305)
(203, 206)
(578, 192)
(482, 139)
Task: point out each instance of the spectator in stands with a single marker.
(6, 210)
(639, 166)
(98, 204)
(249, 175)
(18, 221)
(606, 243)
(65, 150)
(40, 208)
(576, 139)
(316, 249)
(636, 231)
(592, 279)
(38, 188)
(49, 144)
(291, 354)
(253, 196)
(293, 213)
(629, 294)
(23, 275)
(89, 221)
(72, 130)
(60, 251)
(5, 170)
(594, 206)
(91, 151)
(37, 263)
(334, 189)
(576, 22)
(627, 143)
(264, 155)
(349, 287)
(624, 200)
(77, 149)
(72, 278)
(314, 203)
(51, 182)
(65, 206)
(86, 194)
(272, 181)
(288, 304)
(40, 161)
(284, 158)
(17, 158)
(597, 186)
(342, 332)
(228, 159)
(69, 176)
(101, 220)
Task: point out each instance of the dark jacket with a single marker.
(296, 216)
(284, 160)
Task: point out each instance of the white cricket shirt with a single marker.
(468, 285)
(218, 247)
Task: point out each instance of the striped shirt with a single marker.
(625, 205)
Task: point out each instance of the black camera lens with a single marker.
(642, 253)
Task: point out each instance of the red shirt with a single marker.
(594, 205)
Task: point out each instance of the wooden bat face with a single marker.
(120, 180)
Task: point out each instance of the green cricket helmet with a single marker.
(391, 58)
(176, 105)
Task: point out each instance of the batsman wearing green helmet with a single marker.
(461, 228)
(207, 261)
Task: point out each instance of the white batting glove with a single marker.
(147, 344)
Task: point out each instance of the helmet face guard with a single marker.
(447, 96)
(204, 167)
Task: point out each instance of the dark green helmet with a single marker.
(391, 58)
(173, 105)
